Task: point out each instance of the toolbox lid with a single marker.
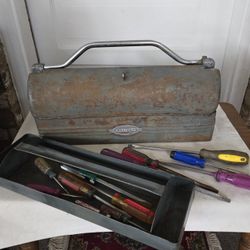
(123, 91)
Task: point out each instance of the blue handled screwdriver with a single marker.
(142, 159)
(187, 158)
(232, 157)
(195, 161)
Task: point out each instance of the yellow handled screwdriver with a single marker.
(233, 157)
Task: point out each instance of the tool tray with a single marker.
(170, 196)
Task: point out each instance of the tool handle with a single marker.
(76, 184)
(45, 189)
(116, 155)
(228, 156)
(134, 209)
(187, 158)
(205, 61)
(44, 167)
(115, 214)
(140, 158)
(239, 180)
(199, 184)
(91, 177)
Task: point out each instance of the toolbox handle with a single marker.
(205, 61)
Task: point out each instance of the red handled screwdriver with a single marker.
(129, 206)
(83, 174)
(110, 212)
(115, 214)
(142, 159)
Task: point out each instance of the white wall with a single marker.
(235, 69)
(192, 28)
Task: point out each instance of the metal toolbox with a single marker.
(125, 104)
(172, 195)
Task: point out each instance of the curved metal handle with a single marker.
(206, 62)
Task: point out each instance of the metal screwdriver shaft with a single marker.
(115, 214)
(240, 180)
(44, 167)
(189, 157)
(94, 178)
(109, 211)
(233, 157)
(117, 201)
(130, 154)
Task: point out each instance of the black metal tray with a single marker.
(172, 196)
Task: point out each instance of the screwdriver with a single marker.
(234, 157)
(72, 182)
(133, 208)
(195, 161)
(52, 191)
(192, 160)
(44, 167)
(143, 159)
(116, 155)
(93, 179)
(115, 214)
(129, 206)
(86, 205)
(104, 209)
(239, 180)
(68, 180)
(110, 212)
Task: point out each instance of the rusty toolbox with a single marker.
(170, 197)
(125, 104)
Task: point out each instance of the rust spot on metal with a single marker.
(71, 122)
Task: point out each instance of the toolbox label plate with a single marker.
(125, 130)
